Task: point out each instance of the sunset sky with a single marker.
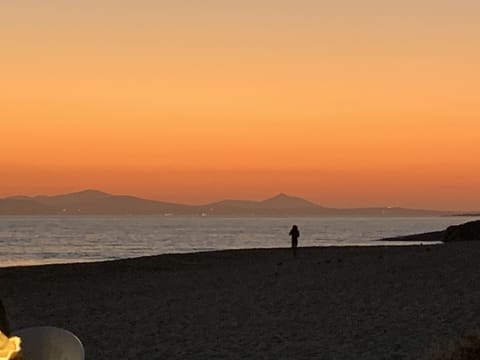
(347, 103)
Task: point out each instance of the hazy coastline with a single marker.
(94, 202)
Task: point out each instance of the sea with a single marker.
(37, 240)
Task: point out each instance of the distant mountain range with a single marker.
(93, 202)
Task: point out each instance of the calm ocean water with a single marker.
(26, 240)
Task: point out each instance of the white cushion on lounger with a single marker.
(50, 343)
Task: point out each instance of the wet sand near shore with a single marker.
(328, 303)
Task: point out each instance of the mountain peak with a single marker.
(83, 195)
(283, 200)
(90, 192)
(283, 196)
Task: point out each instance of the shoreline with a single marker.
(329, 302)
(389, 242)
(53, 241)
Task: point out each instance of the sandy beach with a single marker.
(328, 303)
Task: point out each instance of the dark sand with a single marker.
(329, 303)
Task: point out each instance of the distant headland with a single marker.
(94, 202)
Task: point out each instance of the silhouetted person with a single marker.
(3, 320)
(295, 234)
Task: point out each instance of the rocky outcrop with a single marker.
(469, 231)
(465, 232)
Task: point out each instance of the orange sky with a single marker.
(343, 103)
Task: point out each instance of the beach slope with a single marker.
(328, 303)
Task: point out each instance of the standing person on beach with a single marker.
(4, 328)
(295, 234)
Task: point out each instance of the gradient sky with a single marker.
(345, 102)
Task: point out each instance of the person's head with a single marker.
(294, 227)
